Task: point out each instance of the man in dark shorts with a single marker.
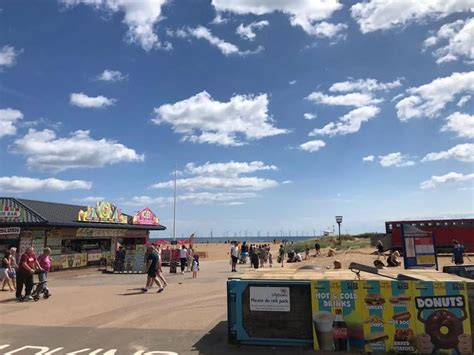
(151, 270)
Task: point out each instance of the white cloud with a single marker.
(229, 169)
(204, 120)
(449, 178)
(8, 119)
(328, 30)
(287, 182)
(349, 123)
(226, 48)
(139, 16)
(429, 99)
(460, 123)
(395, 159)
(351, 99)
(195, 198)
(364, 85)
(84, 101)
(247, 32)
(90, 199)
(218, 20)
(368, 158)
(111, 75)
(292, 82)
(460, 38)
(462, 101)
(309, 116)
(8, 56)
(376, 15)
(26, 184)
(46, 152)
(461, 152)
(302, 13)
(312, 146)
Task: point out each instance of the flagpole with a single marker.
(174, 204)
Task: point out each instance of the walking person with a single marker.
(44, 260)
(317, 246)
(306, 253)
(379, 247)
(458, 252)
(195, 266)
(159, 270)
(26, 270)
(281, 255)
(150, 269)
(189, 259)
(120, 259)
(234, 255)
(6, 267)
(13, 267)
(183, 256)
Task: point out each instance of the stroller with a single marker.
(39, 288)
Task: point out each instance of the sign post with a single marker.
(339, 221)
(418, 248)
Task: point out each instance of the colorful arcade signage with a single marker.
(146, 217)
(103, 212)
(8, 213)
(418, 248)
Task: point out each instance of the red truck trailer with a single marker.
(444, 230)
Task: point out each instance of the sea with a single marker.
(241, 239)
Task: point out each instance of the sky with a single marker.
(277, 115)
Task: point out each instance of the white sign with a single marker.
(10, 230)
(270, 299)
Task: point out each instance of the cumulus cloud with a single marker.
(195, 198)
(8, 56)
(373, 15)
(309, 116)
(460, 123)
(462, 101)
(461, 152)
(306, 14)
(356, 99)
(449, 178)
(8, 120)
(460, 38)
(82, 100)
(364, 85)
(218, 20)
(90, 199)
(26, 184)
(226, 48)
(247, 32)
(428, 100)
(111, 75)
(312, 146)
(368, 158)
(46, 152)
(219, 182)
(140, 17)
(395, 160)
(202, 119)
(349, 123)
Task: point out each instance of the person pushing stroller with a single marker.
(44, 260)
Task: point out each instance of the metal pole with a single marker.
(174, 204)
(339, 224)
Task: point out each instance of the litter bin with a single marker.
(173, 266)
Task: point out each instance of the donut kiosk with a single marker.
(391, 311)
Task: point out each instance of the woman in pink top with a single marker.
(44, 261)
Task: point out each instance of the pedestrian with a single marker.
(379, 247)
(44, 260)
(393, 260)
(189, 259)
(183, 256)
(306, 253)
(458, 252)
(317, 246)
(150, 269)
(270, 259)
(234, 256)
(13, 266)
(281, 255)
(159, 270)
(195, 266)
(120, 259)
(5, 268)
(26, 270)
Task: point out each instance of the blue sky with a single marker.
(278, 114)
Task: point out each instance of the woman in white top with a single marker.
(183, 256)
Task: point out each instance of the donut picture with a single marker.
(444, 328)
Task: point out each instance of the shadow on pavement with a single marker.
(215, 342)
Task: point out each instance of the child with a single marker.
(195, 266)
(44, 261)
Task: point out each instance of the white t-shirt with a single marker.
(183, 253)
(234, 251)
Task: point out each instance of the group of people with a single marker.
(189, 260)
(20, 275)
(259, 255)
